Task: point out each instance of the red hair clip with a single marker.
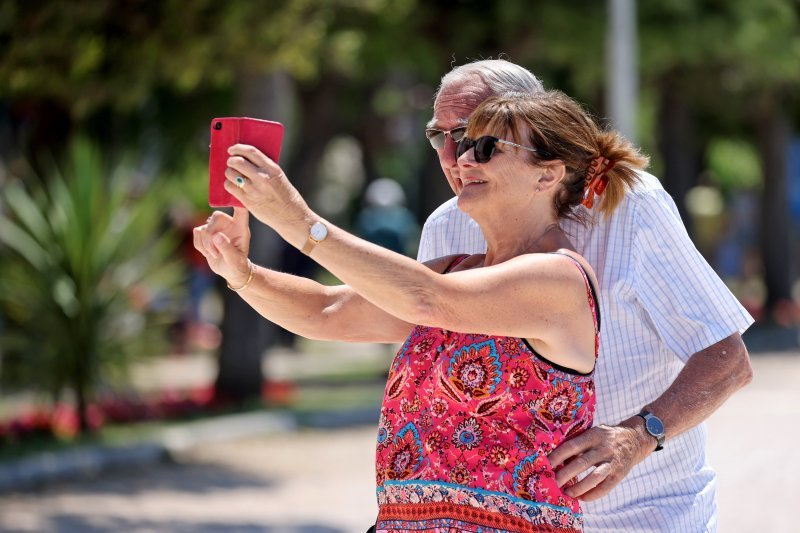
(596, 179)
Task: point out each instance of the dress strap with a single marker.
(455, 263)
(594, 303)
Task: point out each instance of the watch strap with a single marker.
(309, 245)
(317, 233)
(660, 437)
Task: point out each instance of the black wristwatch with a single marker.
(654, 426)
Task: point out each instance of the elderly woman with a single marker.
(499, 348)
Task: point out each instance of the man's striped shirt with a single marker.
(661, 302)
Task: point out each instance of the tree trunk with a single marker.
(318, 123)
(246, 335)
(83, 418)
(676, 144)
(434, 189)
(773, 129)
(80, 385)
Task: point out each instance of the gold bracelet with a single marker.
(251, 274)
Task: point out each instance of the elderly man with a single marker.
(671, 350)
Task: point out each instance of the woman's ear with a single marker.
(552, 174)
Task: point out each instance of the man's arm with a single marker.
(709, 378)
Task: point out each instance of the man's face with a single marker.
(456, 101)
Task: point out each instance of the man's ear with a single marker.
(552, 174)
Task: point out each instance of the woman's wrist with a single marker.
(241, 283)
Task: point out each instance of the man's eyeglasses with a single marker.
(484, 147)
(437, 137)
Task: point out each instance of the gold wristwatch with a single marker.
(316, 234)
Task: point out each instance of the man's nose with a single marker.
(449, 152)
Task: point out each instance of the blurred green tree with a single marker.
(728, 68)
(97, 64)
(114, 67)
(89, 279)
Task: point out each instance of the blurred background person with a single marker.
(385, 220)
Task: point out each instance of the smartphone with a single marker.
(265, 135)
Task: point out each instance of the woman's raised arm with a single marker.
(297, 304)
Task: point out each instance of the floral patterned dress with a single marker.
(466, 424)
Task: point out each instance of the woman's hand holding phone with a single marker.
(245, 173)
(262, 187)
(265, 135)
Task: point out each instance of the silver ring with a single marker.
(240, 181)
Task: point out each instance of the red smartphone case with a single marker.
(265, 135)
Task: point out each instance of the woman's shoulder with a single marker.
(579, 261)
(560, 256)
(575, 257)
(560, 265)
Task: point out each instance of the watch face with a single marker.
(318, 231)
(655, 426)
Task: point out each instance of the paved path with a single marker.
(753, 445)
(310, 482)
(321, 481)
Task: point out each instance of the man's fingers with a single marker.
(572, 447)
(602, 489)
(578, 465)
(595, 478)
(605, 454)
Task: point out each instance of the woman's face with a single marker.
(493, 173)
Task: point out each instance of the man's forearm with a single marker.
(608, 453)
(709, 378)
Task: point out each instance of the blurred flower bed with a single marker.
(60, 422)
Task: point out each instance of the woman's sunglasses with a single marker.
(484, 147)
(437, 137)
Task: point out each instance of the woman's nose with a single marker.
(467, 159)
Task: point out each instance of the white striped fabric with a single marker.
(660, 303)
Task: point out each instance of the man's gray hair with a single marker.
(499, 75)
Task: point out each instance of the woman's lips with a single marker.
(469, 181)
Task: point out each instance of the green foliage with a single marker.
(734, 164)
(92, 53)
(88, 275)
(723, 48)
(189, 186)
(567, 45)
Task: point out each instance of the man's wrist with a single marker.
(654, 426)
(646, 443)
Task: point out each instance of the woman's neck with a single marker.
(514, 236)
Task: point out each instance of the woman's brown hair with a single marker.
(560, 129)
